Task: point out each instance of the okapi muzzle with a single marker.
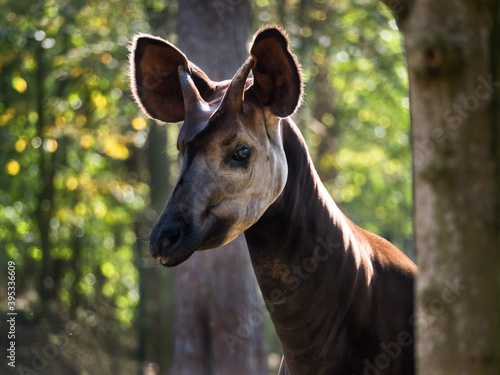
(233, 165)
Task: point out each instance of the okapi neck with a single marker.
(303, 216)
(305, 257)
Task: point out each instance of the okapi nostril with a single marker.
(165, 243)
(169, 239)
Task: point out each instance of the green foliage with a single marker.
(69, 196)
(368, 74)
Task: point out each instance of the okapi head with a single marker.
(233, 165)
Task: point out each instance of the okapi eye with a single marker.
(241, 154)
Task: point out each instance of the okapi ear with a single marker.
(277, 79)
(154, 67)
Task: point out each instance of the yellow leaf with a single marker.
(19, 84)
(80, 120)
(72, 183)
(75, 72)
(12, 167)
(138, 123)
(86, 141)
(60, 121)
(99, 99)
(7, 116)
(20, 145)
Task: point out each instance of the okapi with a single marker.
(340, 298)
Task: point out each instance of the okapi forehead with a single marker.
(213, 131)
(207, 118)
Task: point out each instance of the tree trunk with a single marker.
(155, 309)
(46, 193)
(155, 306)
(218, 322)
(452, 50)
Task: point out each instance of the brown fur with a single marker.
(338, 295)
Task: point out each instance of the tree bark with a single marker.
(46, 193)
(155, 309)
(218, 321)
(453, 60)
(155, 284)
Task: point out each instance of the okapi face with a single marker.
(233, 165)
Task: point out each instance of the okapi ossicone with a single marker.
(341, 298)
